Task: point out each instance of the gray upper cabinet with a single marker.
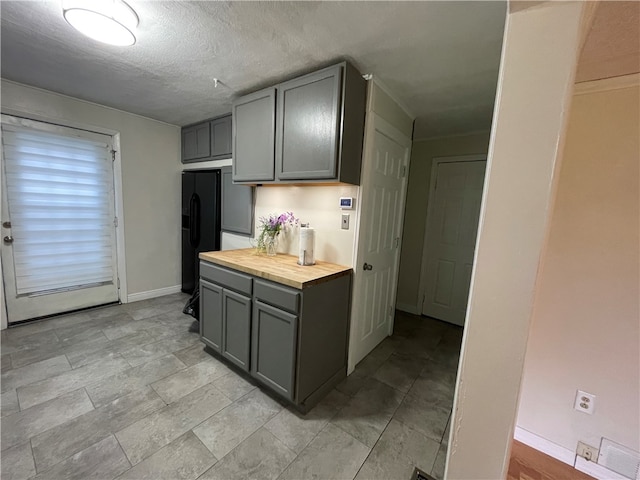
(254, 118)
(196, 142)
(221, 137)
(308, 126)
(237, 205)
(318, 133)
(210, 140)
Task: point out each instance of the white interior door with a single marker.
(452, 227)
(58, 219)
(383, 188)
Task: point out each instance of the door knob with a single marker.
(8, 239)
(367, 266)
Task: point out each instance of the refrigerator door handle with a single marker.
(192, 220)
(194, 233)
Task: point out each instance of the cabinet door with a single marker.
(221, 137)
(237, 205)
(211, 315)
(273, 348)
(196, 142)
(308, 131)
(236, 331)
(254, 136)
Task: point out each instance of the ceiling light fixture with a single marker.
(108, 21)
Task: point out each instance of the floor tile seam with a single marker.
(343, 431)
(68, 456)
(295, 454)
(254, 431)
(413, 428)
(82, 386)
(46, 378)
(310, 441)
(217, 460)
(56, 426)
(374, 446)
(124, 453)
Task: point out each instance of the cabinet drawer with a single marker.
(227, 278)
(277, 295)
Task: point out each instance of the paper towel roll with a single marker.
(307, 244)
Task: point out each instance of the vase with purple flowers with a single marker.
(270, 228)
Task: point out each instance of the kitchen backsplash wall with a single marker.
(317, 205)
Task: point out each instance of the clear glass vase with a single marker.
(271, 245)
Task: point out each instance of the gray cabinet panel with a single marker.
(277, 295)
(273, 347)
(221, 137)
(196, 142)
(254, 136)
(211, 315)
(309, 126)
(227, 278)
(236, 331)
(237, 205)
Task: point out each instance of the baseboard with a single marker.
(565, 455)
(545, 446)
(136, 297)
(405, 307)
(606, 84)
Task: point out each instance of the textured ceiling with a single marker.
(439, 58)
(612, 47)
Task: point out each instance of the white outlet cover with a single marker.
(585, 402)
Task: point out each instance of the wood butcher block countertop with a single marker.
(281, 268)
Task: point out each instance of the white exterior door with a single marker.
(58, 219)
(383, 186)
(452, 227)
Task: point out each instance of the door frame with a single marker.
(374, 122)
(118, 199)
(436, 161)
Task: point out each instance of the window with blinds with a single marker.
(60, 200)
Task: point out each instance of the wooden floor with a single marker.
(529, 464)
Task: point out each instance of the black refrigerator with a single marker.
(200, 221)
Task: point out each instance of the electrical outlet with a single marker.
(345, 221)
(585, 402)
(587, 452)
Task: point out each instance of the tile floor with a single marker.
(126, 392)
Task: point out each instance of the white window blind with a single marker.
(59, 192)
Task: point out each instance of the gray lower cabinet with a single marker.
(211, 321)
(236, 328)
(273, 356)
(225, 313)
(292, 341)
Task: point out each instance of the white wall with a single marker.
(151, 167)
(585, 328)
(539, 56)
(422, 154)
(319, 206)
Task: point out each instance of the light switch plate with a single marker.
(345, 221)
